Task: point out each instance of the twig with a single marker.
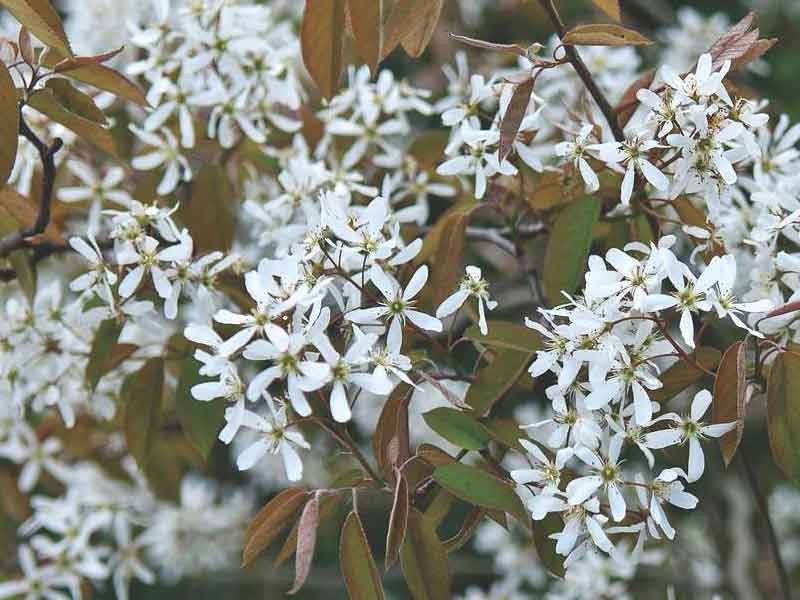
(19, 239)
(763, 507)
(583, 72)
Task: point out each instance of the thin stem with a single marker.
(345, 440)
(583, 72)
(763, 507)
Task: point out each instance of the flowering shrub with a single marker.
(551, 304)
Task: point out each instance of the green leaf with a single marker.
(366, 18)
(496, 379)
(423, 560)
(506, 431)
(457, 427)
(545, 546)
(358, 566)
(730, 386)
(503, 334)
(98, 76)
(209, 212)
(42, 19)
(480, 488)
(75, 101)
(142, 399)
(46, 103)
(9, 124)
(321, 38)
(270, 521)
(25, 267)
(104, 340)
(200, 420)
(783, 412)
(568, 247)
(683, 374)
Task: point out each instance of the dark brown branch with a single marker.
(19, 239)
(583, 72)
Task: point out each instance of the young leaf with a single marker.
(104, 340)
(412, 23)
(321, 37)
(306, 542)
(359, 570)
(480, 488)
(629, 103)
(513, 49)
(46, 103)
(457, 427)
(86, 70)
(496, 379)
(366, 17)
(423, 559)
(471, 521)
(209, 212)
(683, 374)
(75, 101)
(270, 521)
(783, 310)
(740, 44)
(730, 386)
(141, 396)
(16, 211)
(604, 35)
(783, 412)
(43, 21)
(201, 421)
(398, 521)
(568, 247)
(9, 124)
(328, 507)
(25, 267)
(515, 113)
(610, 7)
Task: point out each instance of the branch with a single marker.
(19, 239)
(583, 72)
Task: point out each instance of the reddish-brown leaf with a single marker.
(76, 62)
(42, 20)
(398, 521)
(412, 23)
(270, 521)
(366, 18)
(358, 566)
(610, 7)
(9, 124)
(390, 441)
(604, 35)
(783, 310)
(306, 542)
(423, 559)
(26, 46)
(730, 386)
(321, 37)
(471, 521)
(328, 507)
(740, 44)
(515, 113)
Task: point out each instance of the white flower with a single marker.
(274, 438)
(606, 473)
(689, 429)
(701, 84)
(398, 305)
(633, 152)
(472, 285)
(100, 271)
(165, 152)
(576, 152)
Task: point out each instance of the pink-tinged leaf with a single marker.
(9, 124)
(515, 113)
(507, 48)
(306, 543)
(361, 576)
(740, 44)
(76, 62)
(398, 521)
(730, 386)
(321, 37)
(26, 46)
